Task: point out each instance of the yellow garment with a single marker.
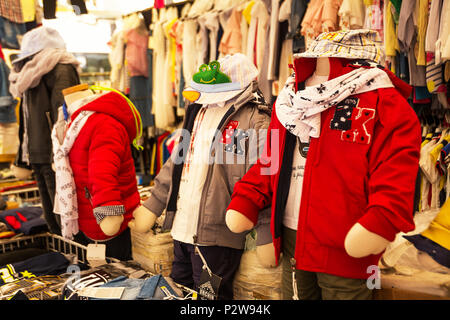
(390, 32)
(439, 229)
(427, 139)
(28, 10)
(434, 154)
(422, 25)
(172, 48)
(247, 12)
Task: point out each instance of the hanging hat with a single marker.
(351, 44)
(38, 39)
(220, 81)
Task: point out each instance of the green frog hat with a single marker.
(220, 81)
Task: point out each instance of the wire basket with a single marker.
(55, 243)
(49, 242)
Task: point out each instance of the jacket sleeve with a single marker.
(261, 121)
(253, 192)
(108, 142)
(393, 167)
(157, 201)
(62, 76)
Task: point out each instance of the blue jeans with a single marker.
(139, 289)
(9, 32)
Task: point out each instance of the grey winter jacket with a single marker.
(249, 111)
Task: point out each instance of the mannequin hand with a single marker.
(360, 242)
(110, 225)
(143, 220)
(21, 173)
(237, 222)
(266, 255)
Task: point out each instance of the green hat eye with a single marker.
(215, 65)
(203, 68)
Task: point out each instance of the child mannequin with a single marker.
(326, 172)
(359, 241)
(110, 225)
(96, 181)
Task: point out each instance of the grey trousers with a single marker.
(316, 285)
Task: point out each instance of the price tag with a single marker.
(209, 285)
(96, 254)
(102, 293)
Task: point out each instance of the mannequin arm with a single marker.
(21, 173)
(110, 225)
(360, 242)
(237, 222)
(143, 220)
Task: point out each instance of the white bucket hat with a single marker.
(38, 39)
(349, 44)
(224, 79)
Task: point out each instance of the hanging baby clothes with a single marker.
(231, 41)
(257, 33)
(407, 37)
(374, 16)
(273, 39)
(351, 14)
(118, 75)
(163, 117)
(434, 74)
(320, 16)
(286, 57)
(169, 101)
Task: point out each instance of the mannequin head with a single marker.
(75, 93)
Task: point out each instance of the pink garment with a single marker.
(159, 4)
(320, 16)
(232, 38)
(374, 17)
(136, 53)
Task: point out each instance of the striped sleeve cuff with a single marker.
(102, 212)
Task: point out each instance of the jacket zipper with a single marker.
(87, 195)
(208, 179)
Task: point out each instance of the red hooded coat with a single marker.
(102, 164)
(371, 182)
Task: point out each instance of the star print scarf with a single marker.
(299, 112)
(66, 195)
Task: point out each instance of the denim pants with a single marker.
(9, 31)
(139, 289)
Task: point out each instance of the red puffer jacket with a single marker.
(102, 165)
(346, 181)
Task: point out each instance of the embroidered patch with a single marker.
(233, 138)
(343, 113)
(359, 132)
(353, 121)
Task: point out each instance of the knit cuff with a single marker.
(154, 205)
(375, 221)
(101, 213)
(246, 207)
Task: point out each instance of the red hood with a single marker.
(115, 106)
(304, 68)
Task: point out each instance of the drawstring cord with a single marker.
(136, 114)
